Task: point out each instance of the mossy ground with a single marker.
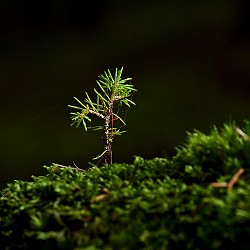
(150, 204)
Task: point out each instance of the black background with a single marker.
(189, 61)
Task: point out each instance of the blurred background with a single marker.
(189, 61)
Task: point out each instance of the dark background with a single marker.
(189, 61)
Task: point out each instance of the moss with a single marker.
(150, 204)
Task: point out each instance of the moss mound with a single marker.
(150, 204)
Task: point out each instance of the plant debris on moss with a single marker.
(178, 203)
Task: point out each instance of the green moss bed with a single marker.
(194, 200)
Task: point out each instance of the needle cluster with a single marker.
(113, 92)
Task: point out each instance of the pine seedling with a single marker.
(113, 92)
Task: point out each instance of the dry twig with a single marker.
(235, 178)
(242, 134)
(231, 183)
(62, 166)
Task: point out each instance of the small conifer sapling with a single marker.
(112, 93)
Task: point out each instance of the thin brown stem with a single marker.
(62, 166)
(96, 113)
(231, 183)
(235, 178)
